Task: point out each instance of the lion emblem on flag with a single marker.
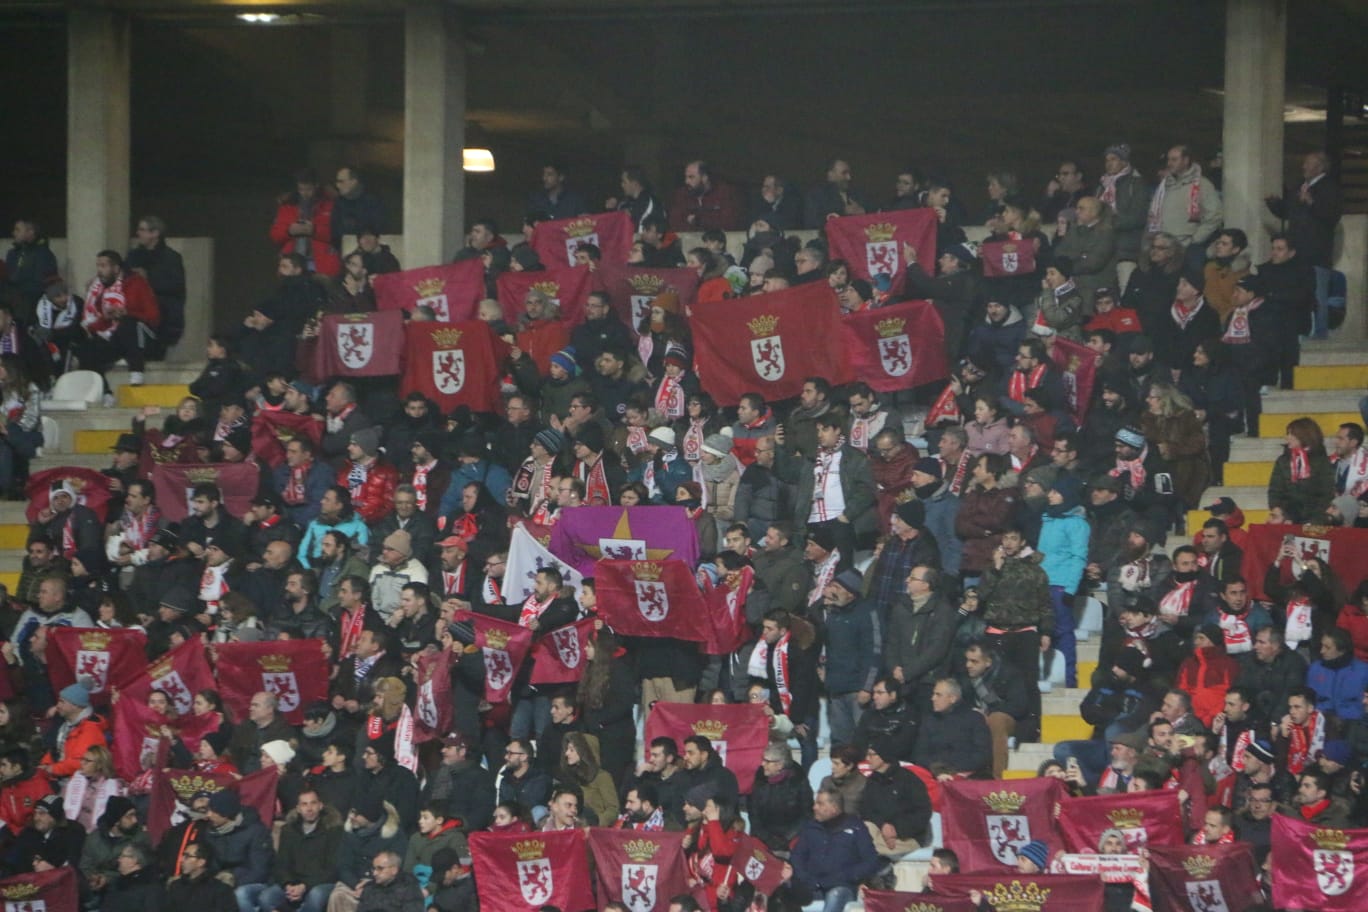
(498, 668)
(534, 880)
(567, 643)
(1007, 833)
(895, 354)
(356, 344)
(1206, 896)
(639, 886)
(93, 667)
(448, 370)
(653, 601)
(285, 688)
(767, 355)
(1334, 871)
(881, 258)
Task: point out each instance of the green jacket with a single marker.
(1018, 595)
(308, 858)
(857, 484)
(1308, 498)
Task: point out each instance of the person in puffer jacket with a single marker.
(242, 845)
(779, 800)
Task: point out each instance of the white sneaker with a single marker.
(135, 378)
(109, 400)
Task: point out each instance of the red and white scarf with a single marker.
(1351, 472)
(1135, 575)
(1021, 382)
(1298, 627)
(864, 430)
(669, 398)
(1019, 463)
(1194, 209)
(293, 492)
(334, 422)
(1235, 628)
(1108, 192)
(453, 581)
(352, 625)
(759, 665)
(420, 483)
(1176, 602)
(491, 593)
(596, 492)
(945, 408)
(961, 471)
(213, 587)
(1237, 329)
(1236, 753)
(828, 458)
(1226, 838)
(692, 445)
(137, 531)
(1299, 463)
(823, 574)
(532, 609)
(1305, 742)
(636, 439)
(1183, 315)
(1134, 468)
(104, 304)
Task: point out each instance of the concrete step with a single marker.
(177, 373)
(1062, 701)
(90, 441)
(1275, 424)
(11, 562)
(1333, 352)
(14, 536)
(55, 460)
(1331, 377)
(1247, 496)
(109, 421)
(1195, 518)
(167, 395)
(10, 581)
(1248, 474)
(1255, 449)
(1301, 401)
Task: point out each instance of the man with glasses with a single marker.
(601, 330)
(372, 830)
(519, 780)
(888, 717)
(1062, 193)
(196, 887)
(389, 887)
(1154, 283)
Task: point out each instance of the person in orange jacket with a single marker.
(79, 730)
(21, 788)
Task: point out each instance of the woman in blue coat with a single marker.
(1064, 534)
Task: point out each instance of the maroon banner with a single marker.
(1345, 550)
(452, 290)
(987, 823)
(1144, 819)
(558, 656)
(175, 485)
(48, 891)
(139, 742)
(651, 599)
(172, 791)
(273, 430)
(873, 244)
(769, 343)
(1008, 258)
(91, 487)
(761, 867)
(890, 901)
(1318, 868)
(432, 712)
(521, 872)
(504, 645)
(727, 627)
(180, 674)
(738, 732)
(557, 240)
(633, 288)
(568, 288)
(456, 364)
(897, 347)
(643, 871)
(1078, 366)
(1205, 878)
(1036, 892)
(104, 660)
(360, 345)
(296, 671)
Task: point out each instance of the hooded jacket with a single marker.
(242, 848)
(1206, 675)
(957, 739)
(1064, 536)
(919, 639)
(308, 858)
(994, 345)
(360, 845)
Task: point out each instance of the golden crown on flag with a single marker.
(640, 850)
(646, 284)
(186, 786)
(429, 287)
(160, 668)
(763, 325)
(1009, 248)
(647, 570)
(1313, 531)
(1330, 840)
(923, 907)
(528, 849)
(1199, 865)
(1004, 802)
(1074, 362)
(1018, 897)
(1126, 818)
(891, 326)
(548, 288)
(201, 475)
(447, 338)
(580, 227)
(758, 855)
(496, 639)
(880, 231)
(285, 435)
(95, 640)
(274, 663)
(20, 891)
(356, 317)
(712, 729)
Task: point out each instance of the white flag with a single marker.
(525, 557)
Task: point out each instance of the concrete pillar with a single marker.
(434, 134)
(1252, 128)
(97, 137)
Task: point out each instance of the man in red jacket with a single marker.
(369, 479)
(119, 318)
(303, 225)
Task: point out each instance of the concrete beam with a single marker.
(1252, 127)
(434, 134)
(98, 137)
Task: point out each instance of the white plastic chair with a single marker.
(76, 391)
(820, 769)
(52, 435)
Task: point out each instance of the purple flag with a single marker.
(583, 535)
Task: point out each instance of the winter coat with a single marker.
(957, 739)
(761, 498)
(322, 248)
(857, 486)
(1205, 676)
(1115, 705)
(987, 438)
(1062, 310)
(1130, 216)
(1174, 214)
(612, 723)
(1093, 250)
(1339, 685)
(243, 849)
(778, 808)
(1312, 227)
(87, 733)
(994, 345)
(982, 516)
(717, 777)
(308, 858)
(359, 846)
(919, 639)
(955, 298)
(402, 894)
(1271, 682)
(896, 723)
(141, 891)
(421, 848)
(1307, 499)
(203, 894)
(1000, 689)
(1220, 278)
(899, 797)
(853, 643)
(1064, 548)
(533, 789)
(785, 579)
(376, 497)
(1187, 451)
(468, 790)
(1110, 526)
(1174, 344)
(835, 853)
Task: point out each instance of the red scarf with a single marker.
(138, 530)
(595, 480)
(961, 470)
(822, 574)
(693, 441)
(420, 483)
(1183, 315)
(104, 305)
(453, 581)
(1176, 603)
(1020, 383)
(293, 494)
(532, 609)
(1298, 627)
(1299, 463)
(946, 408)
(1304, 742)
(669, 398)
(1236, 754)
(1108, 193)
(1135, 468)
(352, 625)
(826, 459)
(490, 591)
(1018, 463)
(1235, 627)
(636, 439)
(1237, 330)
(1226, 838)
(1309, 811)
(759, 668)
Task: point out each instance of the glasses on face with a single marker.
(515, 753)
(189, 855)
(493, 563)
